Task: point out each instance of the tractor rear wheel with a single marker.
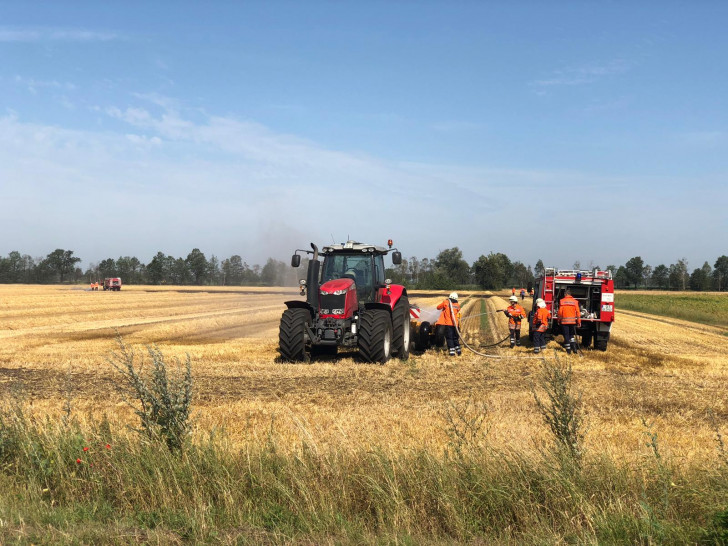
(602, 341)
(375, 335)
(401, 329)
(292, 334)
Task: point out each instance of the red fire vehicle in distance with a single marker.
(594, 290)
(112, 283)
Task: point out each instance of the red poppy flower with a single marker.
(108, 446)
(78, 461)
(85, 449)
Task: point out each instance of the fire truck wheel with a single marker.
(292, 334)
(375, 335)
(601, 341)
(401, 329)
(586, 340)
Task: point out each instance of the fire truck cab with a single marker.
(594, 290)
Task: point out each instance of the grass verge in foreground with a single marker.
(100, 483)
(709, 309)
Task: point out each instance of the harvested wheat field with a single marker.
(55, 341)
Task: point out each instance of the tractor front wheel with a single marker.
(292, 334)
(602, 341)
(375, 335)
(401, 328)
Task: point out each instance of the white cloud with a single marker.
(35, 34)
(583, 74)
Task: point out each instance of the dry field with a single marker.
(54, 342)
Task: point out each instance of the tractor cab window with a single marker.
(356, 267)
(379, 269)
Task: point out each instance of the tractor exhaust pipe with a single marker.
(312, 279)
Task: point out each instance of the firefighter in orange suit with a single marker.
(540, 325)
(515, 314)
(569, 316)
(450, 319)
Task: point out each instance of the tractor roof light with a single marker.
(389, 243)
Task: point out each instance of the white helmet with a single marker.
(541, 304)
(539, 300)
(513, 298)
(453, 296)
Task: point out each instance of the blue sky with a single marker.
(590, 131)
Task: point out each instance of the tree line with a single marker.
(446, 271)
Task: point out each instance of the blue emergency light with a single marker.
(578, 277)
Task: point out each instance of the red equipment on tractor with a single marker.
(594, 290)
(349, 303)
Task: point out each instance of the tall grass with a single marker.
(100, 483)
(703, 308)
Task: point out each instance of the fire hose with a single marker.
(485, 355)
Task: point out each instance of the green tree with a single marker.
(679, 275)
(635, 270)
(660, 276)
(720, 273)
(197, 265)
(450, 263)
(107, 268)
(156, 269)
(539, 270)
(62, 262)
(492, 271)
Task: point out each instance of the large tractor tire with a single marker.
(375, 335)
(586, 340)
(292, 334)
(422, 337)
(602, 341)
(401, 331)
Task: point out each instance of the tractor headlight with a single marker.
(339, 292)
(337, 311)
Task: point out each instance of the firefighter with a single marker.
(569, 316)
(540, 325)
(513, 291)
(515, 314)
(450, 319)
(523, 294)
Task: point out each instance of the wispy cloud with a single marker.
(583, 74)
(33, 85)
(36, 34)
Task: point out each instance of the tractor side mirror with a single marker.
(396, 257)
(295, 260)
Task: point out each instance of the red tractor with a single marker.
(594, 290)
(349, 303)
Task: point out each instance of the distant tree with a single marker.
(268, 273)
(492, 271)
(521, 275)
(720, 273)
(62, 262)
(156, 272)
(197, 265)
(660, 276)
(622, 278)
(577, 265)
(702, 278)
(679, 275)
(450, 264)
(213, 270)
(635, 270)
(180, 272)
(538, 271)
(107, 268)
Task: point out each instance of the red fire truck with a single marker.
(594, 290)
(112, 283)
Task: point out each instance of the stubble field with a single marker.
(55, 341)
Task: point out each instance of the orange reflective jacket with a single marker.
(517, 314)
(541, 319)
(445, 317)
(569, 312)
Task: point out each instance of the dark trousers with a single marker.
(539, 340)
(569, 331)
(453, 342)
(516, 336)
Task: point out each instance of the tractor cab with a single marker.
(362, 264)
